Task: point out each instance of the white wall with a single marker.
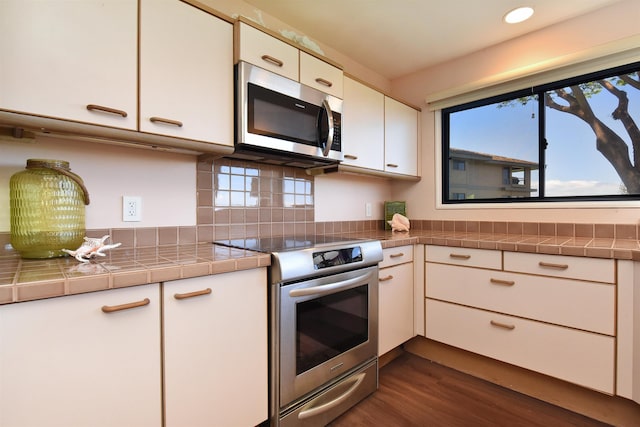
(589, 31)
(165, 181)
(342, 197)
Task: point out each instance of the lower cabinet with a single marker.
(82, 360)
(215, 350)
(396, 299)
(548, 313)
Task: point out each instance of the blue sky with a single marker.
(511, 132)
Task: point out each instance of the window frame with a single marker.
(538, 91)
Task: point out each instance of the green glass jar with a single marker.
(47, 203)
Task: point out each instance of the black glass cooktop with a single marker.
(284, 243)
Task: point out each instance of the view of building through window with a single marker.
(586, 136)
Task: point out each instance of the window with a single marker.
(576, 139)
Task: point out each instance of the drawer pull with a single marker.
(94, 107)
(459, 256)
(392, 165)
(502, 282)
(552, 265)
(171, 122)
(350, 157)
(396, 255)
(385, 279)
(272, 60)
(324, 82)
(192, 294)
(503, 325)
(112, 308)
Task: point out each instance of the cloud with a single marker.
(581, 188)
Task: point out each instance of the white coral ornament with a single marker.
(399, 222)
(90, 248)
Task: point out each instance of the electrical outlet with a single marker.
(367, 209)
(131, 208)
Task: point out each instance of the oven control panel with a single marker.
(333, 257)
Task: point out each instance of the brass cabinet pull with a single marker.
(112, 308)
(502, 282)
(385, 279)
(272, 60)
(503, 325)
(192, 294)
(94, 107)
(552, 265)
(392, 165)
(396, 255)
(459, 256)
(350, 157)
(322, 81)
(166, 121)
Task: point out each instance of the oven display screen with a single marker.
(336, 257)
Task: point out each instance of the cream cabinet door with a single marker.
(74, 60)
(266, 51)
(362, 126)
(215, 350)
(395, 306)
(186, 72)
(400, 138)
(321, 75)
(65, 362)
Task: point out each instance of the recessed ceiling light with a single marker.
(518, 15)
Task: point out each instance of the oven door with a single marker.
(281, 114)
(328, 326)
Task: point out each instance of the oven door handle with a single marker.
(308, 413)
(327, 289)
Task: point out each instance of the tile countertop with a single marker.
(26, 280)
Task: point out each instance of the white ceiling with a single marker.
(398, 37)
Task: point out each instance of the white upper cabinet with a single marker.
(71, 60)
(321, 75)
(400, 138)
(265, 51)
(362, 126)
(186, 72)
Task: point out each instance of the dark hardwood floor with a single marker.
(416, 392)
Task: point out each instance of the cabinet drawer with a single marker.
(592, 269)
(582, 305)
(484, 258)
(321, 75)
(268, 52)
(579, 357)
(395, 256)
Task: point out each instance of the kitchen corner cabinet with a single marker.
(396, 299)
(548, 313)
(266, 51)
(66, 362)
(70, 60)
(379, 134)
(215, 350)
(186, 72)
(400, 138)
(628, 323)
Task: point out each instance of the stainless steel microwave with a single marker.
(279, 120)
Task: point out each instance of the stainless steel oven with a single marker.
(323, 325)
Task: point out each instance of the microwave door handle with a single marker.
(327, 289)
(329, 143)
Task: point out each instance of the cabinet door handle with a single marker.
(502, 282)
(400, 254)
(350, 157)
(459, 256)
(192, 294)
(112, 308)
(392, 165)
(94, 107)
(503, 325)
(385, 279)
(171, 122)
(324, 82)
(272, 60)
(552, 265)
